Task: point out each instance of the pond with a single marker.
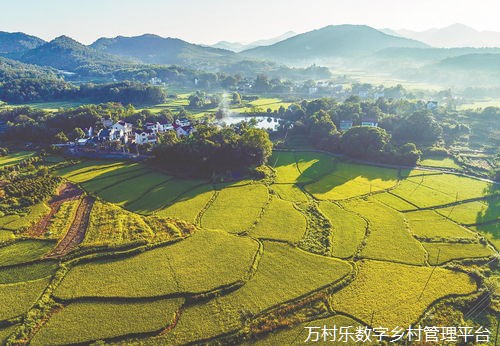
(266, 123)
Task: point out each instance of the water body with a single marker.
(266, 123)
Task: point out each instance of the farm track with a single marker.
(77, 231)
(68, 192)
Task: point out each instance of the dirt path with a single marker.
(77, 231)
(67, 192)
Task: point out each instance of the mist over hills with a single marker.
(239, 47)
(334, 41)
(456, 35)
(337, 46)
(153, 49)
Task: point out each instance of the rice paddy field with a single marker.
(168, 261)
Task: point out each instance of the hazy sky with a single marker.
(209, 21)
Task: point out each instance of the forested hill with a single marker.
(332, 42)
(66, 54)
(15, 42)
(153, 49)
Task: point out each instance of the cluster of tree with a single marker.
(213, 150)
(36, 90)
(30, 188)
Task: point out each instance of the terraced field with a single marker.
(170, 261)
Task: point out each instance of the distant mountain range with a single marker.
(153, 49)
(335, 41)
(456, 35)
(239, 47)
(18, 42)
(355, 46)
(64, 53)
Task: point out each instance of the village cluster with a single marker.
(124, 133)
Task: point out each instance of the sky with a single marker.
(210, 21)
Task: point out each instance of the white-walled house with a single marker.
(155, 127)
(145, 136)
(121, 125)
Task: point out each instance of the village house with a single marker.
(345, 125)
(370, 122)
(145, 137)
(121, 125)
(431, 105)
(155, 127)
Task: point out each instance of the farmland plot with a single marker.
(25, 221)
(203, 262)
(236, 208)
(297, 335)
(300, 167)
(352, 180)
(431, 225)
(87, 321)
(394, 293)
(393, 201)
(281, 221)
(15, 158)
(435, 190)
(127, 191)
(389, 237)
(27, 272)
(289, 192)
(24, 251)
(348, 229)
(88, 170)
(474, 212)
(188, 206)
(161, 196)
(17, 298)
(284, 274)
(440, 253)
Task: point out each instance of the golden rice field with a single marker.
(170, 261)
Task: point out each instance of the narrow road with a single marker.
(76, 233)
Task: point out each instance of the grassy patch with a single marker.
(389, 237)
(429, 224)
(392, 293)
(87, 322)
(284, 273)
(351, 180)
(348, 229)
(236, 208)
(281, 221)
(16, 299)
(203, 262)
(24, 251)
(451, 251)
